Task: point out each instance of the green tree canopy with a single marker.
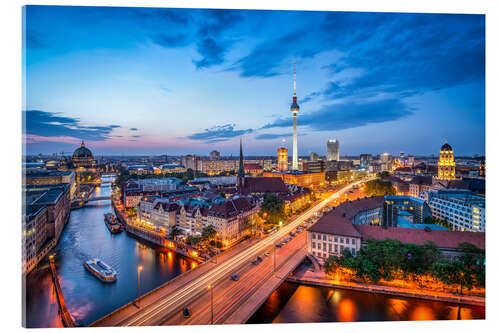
(272, 209)
(208, 233)
(379, 187)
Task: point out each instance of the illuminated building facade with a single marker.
(462, 209)
(282, 159)
(300, 178)
(446, 164)
(482, 168)
(333, 150)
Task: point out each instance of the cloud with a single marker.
(171, 41)
(213, 39)
(211, 31)
(309, 97)
(218, 133)
(48, 124)
(136, 136)
(270, 136)
(133, 129)
(349, 115)
(264, 60)
(401, 54)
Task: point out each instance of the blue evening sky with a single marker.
(178, 81)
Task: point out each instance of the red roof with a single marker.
(264, 185)
(253, 166)
(231, 207)
(442, 238)
(338, 221)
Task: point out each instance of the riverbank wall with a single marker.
(421, 293)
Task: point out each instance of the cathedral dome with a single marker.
(446, 146)
(82, 152)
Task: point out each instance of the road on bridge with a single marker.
(165, 305)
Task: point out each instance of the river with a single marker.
(84, 237)
(293, 303)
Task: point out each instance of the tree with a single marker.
(332, 264)
(222, 195)
(272, 209)
(379, 187)
(208, 233)
(175, 231)
(453, 273)
(383, 174)
(192, 240)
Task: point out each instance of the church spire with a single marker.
(241, 170)
(83, 144)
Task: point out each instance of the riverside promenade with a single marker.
(319, 278)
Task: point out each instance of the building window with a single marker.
(313, 245)
(336, 248)
(341, 240)
(314, 236)
(347, 240)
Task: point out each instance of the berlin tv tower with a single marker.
(294, 108)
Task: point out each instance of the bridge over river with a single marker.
(209, 292)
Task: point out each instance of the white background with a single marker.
(10, 111)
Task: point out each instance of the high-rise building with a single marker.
(282, 159)
(446, 164)
(365, 160)
(411, 161)
(294, 108)
(313, 157)
(384, 158)
(333, 150)
(214, 155)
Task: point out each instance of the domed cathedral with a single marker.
(85, 165)
(82, 157)
(446, 164)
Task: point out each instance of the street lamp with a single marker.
(139, 269)
(211, 303)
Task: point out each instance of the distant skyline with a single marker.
(148, 81)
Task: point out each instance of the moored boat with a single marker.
(100, 270)
(113, 226)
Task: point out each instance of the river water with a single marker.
(293, 303)
(85, 237)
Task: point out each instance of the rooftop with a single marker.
(339, 219)
(46, 173)
(442, 238)
(264, 185)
